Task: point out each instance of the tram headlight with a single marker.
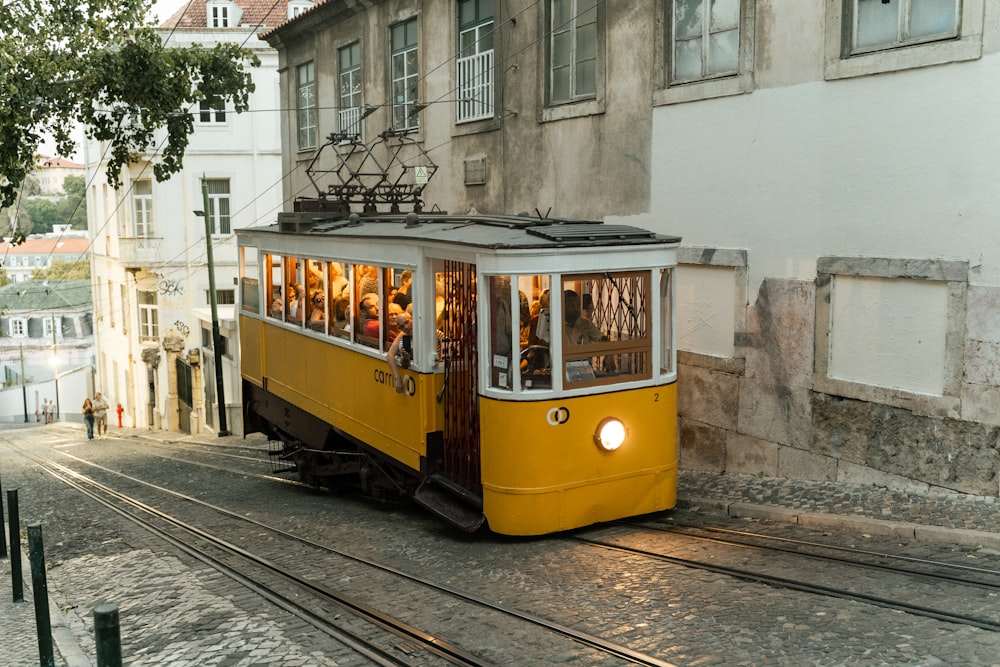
(610, 434)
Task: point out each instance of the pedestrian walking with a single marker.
(45, 411)
(101, 415)
(88, 417)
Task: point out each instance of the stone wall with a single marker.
(768, 419)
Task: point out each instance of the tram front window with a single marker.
(535, 331)
(605, 328)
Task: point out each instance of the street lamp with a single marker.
(220, 390)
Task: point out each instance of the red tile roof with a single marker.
(266, 14)
(58, 162)
(68, 246)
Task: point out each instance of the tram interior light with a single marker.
(610, 434)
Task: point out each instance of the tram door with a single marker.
(461, 391)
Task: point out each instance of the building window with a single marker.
(475, 60)
(349, 67)
(218, 16)
(305, 104)
(218, 205)
(705, 39)
(877, 24)
(212, 111)
(49, 326)
(920, 33)
(403, 42)
(573, 63)
(18, 327)
(296, 7)
(149, 328)
(142, 207)
(223, 297)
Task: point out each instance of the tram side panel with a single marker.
(351, 391)
(543, 472)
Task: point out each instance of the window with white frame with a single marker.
(474, 76)
(573, 49)
(50, 325)
(877, 24)
(404, 74)
(349, 76)
(296, 7)
(149, 327)
(142, 207)
(860, 34)
(18, 327)
(305, 105)
(211, 112)
(220, 15)
(704, 39)
(218, 205)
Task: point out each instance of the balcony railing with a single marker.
(350, 120)
(475, 87)
(139, 252)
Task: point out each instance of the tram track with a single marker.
(454, 655)
(764, 572)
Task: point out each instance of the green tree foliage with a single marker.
(4, 278)
(63, 270)
(100, 64)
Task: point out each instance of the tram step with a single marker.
(448, 507)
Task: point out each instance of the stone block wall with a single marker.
(766, 417)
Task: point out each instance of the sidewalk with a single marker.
(925, 515)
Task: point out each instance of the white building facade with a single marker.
(834, 183)
(153, 322)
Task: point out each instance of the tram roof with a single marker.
(484, 231)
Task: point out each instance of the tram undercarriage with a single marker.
(342, 464)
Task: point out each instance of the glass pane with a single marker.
(560, 84)
(411, 33)
(411, 62)
(485, 9)
(723, 52)
(561, 49)
(536, 331)
(586, 42)
(486, 38)
(687, 60)
(933, 17)
(501, 333)
(877, 23)
(725, 14)
(687, 18)
(586, 78)
(466, 12)
(562, 13)
(666, 322)
(398, 36)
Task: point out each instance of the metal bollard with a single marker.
(107, 635)
(13, 523)
(3, 535)
(40, 591)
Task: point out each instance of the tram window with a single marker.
(338, 300)
(666, 321)
(249, 280)
(295, 293)
(275, 280)
(611, 342)
(501, 332)
(535, 331)
(315, 296)
(391, 309)
(366, 296)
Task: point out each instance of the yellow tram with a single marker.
(537, 392)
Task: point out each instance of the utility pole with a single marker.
(24, 386)
(55, 365)
(220, 391)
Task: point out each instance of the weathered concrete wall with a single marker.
(771, 421)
